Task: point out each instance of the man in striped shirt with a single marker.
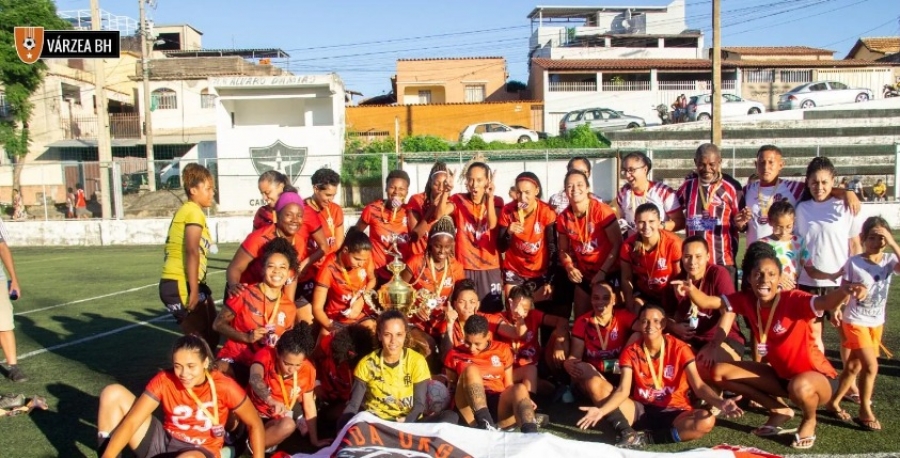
(710, 202)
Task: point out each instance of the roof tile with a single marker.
(449, 58)
(887, 45)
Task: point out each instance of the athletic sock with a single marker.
(664, 436)
(529, 427)
(483, 418)
(618, 421)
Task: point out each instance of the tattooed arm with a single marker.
(223, 326)
(261, 390)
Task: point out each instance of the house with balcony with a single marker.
(452, 80)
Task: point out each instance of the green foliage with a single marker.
(362, 161)
(428, 143)
(580, 137)
(19, 79)
(515, 86)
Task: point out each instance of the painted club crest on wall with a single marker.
(286, 159)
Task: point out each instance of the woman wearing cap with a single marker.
(247, 268)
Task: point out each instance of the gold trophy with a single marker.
(395, 294)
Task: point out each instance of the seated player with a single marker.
(196, 403)
(480, 373)
(281, 388)
(651, 404)
(344, 278)
(793, 366)
(464, 304)
(259, 314)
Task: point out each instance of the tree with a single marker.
(20, 80)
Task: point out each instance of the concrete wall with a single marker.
(188, 115)
(453, 75)
(445, 121)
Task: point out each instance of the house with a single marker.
(874, 48)
(452, 80)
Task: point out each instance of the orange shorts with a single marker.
(856, 337)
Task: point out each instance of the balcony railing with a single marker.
(626, 86)
(573, 86)
(121, 125)
(696, 85)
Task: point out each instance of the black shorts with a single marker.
(514, 279)
(493, 405)
(171, 297)
(650, 417)
(157, 443)
(612, 278)
(489, 286)
(304, 294)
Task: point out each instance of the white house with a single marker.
(294, 124)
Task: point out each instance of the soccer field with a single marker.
(91, 316)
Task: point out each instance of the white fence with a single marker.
(870, 78)
(626, 86)
(573, 86)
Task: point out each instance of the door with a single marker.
(818, 93)
(733, 105)
(840, 93)
(614, 120)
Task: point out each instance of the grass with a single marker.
(70, 377)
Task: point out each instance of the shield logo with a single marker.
(29, 43)
(286, 159)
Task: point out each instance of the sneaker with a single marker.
(12, 401)
(541, 419)
(16, 375)
(633, 440)
(488, 427)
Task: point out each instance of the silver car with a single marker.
(822, 93)
(600, 120)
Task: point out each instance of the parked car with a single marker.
(600, 120)
(822, 93)
(498, 132)
(700, 107)
(541, 135)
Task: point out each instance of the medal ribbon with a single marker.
(582, 234)
(213, 417)
(293, 395)
(263, 288)
(657, 376)
(604, 341)
(706, 198)
(438, 287)
(764, 331)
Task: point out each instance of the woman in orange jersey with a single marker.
(463, 305)
(388, 224)
(598, 338)
(196, 403)
(793, 365)
(527, 348)
(476, 214)
(428, 207)
(528, 237)
(335, 357)
(589, 240)
(272, 184)
(246, 266)
(435, 271)
(282, 380)
(341, 283)
(321, 212)
(480, 372)
(258, 315)
(651, 405)
(649, 258)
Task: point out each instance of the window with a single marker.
(425, 97)
(609, 114)
(207, 100)
(163, 99)
(475, 93)
(732, 98)
(481, 128)
(837, 86)
(818, 87)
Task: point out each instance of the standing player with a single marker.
(271, 184)
(475, 215)
(649, 259)
(388, 224)
(639, 190)
(7, 336)
(322, 212)
(183, 288)
(428, 207)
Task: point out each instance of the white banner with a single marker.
(369, 436)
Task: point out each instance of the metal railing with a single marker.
(121, 125)
(573, 86)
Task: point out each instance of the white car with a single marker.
(822, 93)
(497, 132)
(700, 107)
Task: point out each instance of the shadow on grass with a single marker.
(69, 424)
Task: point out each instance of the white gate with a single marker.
(870, 78)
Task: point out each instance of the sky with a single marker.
(362, 39)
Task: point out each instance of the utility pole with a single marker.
(148, 116)
(104, 149)
(717, 73)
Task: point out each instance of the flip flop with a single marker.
(841, 414)
(854, 398)
(803, 443)
(868, 425)
(769, 430)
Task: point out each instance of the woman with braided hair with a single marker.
(426, 208)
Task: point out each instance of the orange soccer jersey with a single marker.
(494, 321)
(588, 243)
(528, 255)
(673, 391)
(651, 270)
(183, 419)
(602, 343)
(424, 276)
(492, 362)
(344, 286)
(287, 391)
(264, 216)
(330, 219)
(386, 226)
(255, 244)
(252, 310)
(476, 245)
(416, 206)
(336, 379)
(527, 350)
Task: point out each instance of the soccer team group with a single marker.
(565, 299)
